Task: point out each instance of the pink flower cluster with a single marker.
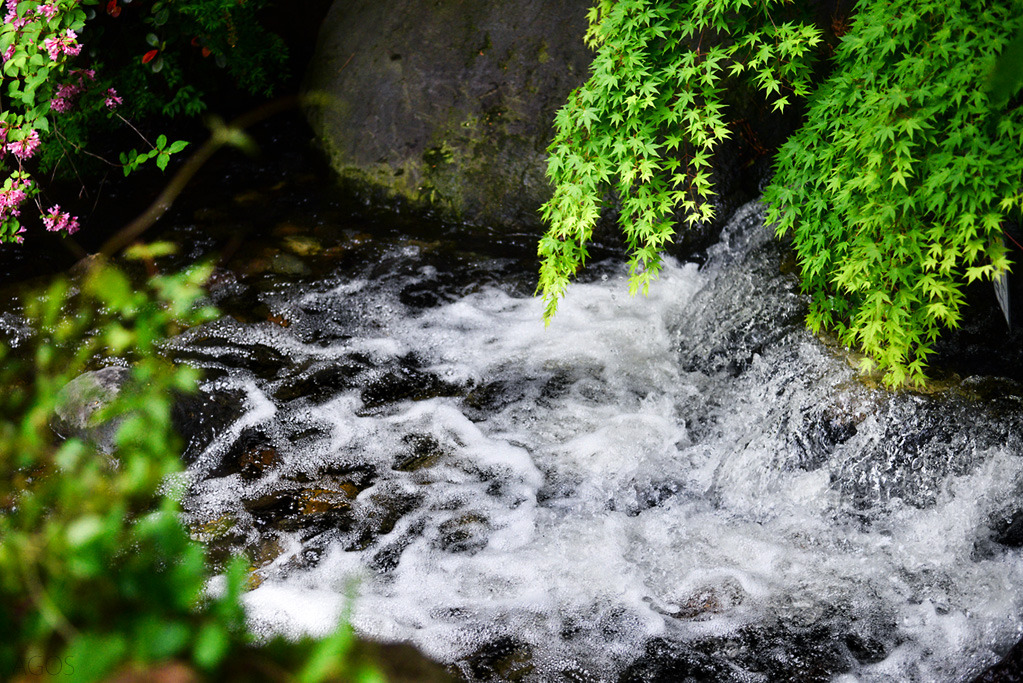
(60, 220)
(24, 148)
(48, 10)
(112, 99)
(65, 45)
(12, 197)
(64, 97)
(12, 15)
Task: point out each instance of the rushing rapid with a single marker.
(683, 484)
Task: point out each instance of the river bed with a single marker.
(680, 486)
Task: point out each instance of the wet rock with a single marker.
(385, 508)
(491, 397)
(664, 661)
(865, 649)
(198, 417)
(242, 303)
(261, 360)
(387, 558)
(302, 245)
(810, 654)
(423, 451)
(1006, 529)
(467, 534)
(504, 659)
(276, 510)
(756, 311)
(921, 444)
(653, 495)
(223, 537)
(703, 602)
(1008, 670)
(254, 462)
(359, 476)
(323, 381)
(406, 382)
(320, 501)
(78, 401)
(251, 454)
(288, 264)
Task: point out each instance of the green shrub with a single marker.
(97, 572)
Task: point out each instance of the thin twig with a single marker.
(129, 124)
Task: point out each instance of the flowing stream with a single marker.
(681, 485)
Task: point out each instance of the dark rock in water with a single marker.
(1008, 670)
(824, 428)
(388, 557)
(448, 105)
(668, 662)
(865, 649)
(261, 360)
(504, 659)
(464, 534)
(424, 450)
(277, 510)
(198, 417)
(323, 381)
(79, 400)
(389, 505)
(757, 310)
(1009, 532)
(406, 382)
(786, 653)
(251, 454)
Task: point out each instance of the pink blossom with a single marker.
(12, 15)
(112, 99)
(9, 52)
(49, 10)
(82, 74)
(17, 236)
(57, 220)
(26, 147)
(72, 47)
(63, 45)
(11, 198)
(64, 98)
(54, 46)
(67, 90)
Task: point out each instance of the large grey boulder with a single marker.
(447, 104)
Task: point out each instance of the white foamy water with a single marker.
(685, 484)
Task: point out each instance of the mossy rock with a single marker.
(446, 106)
